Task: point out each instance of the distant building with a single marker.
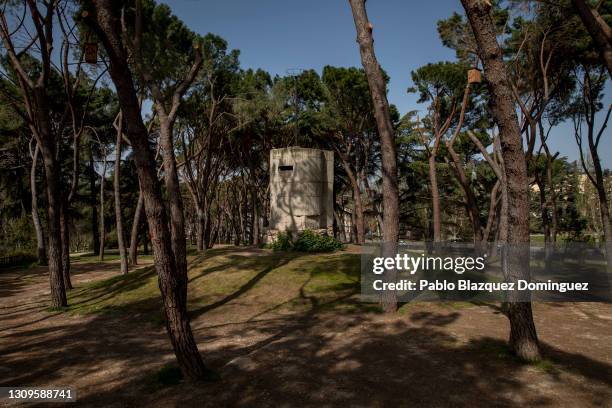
(301, 190)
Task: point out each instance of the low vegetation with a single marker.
(306, 241)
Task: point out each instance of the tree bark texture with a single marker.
(52, 176)
(135, 226)
(378, 91)
(65, 231)
(523, 337)
(172, 278)
(117, 190)
(40, 237)
(93, 202)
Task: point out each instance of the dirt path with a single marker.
(428, 355)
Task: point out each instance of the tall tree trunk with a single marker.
(471, 202)
(117, 190)
(65, 231)
(491, 213)
(357, 203)
(207, 230)
(177, 218)
(255, 216)
(598, 29)
(38, 117)
(600, 186)
(200, 229)
(378, 91)
(93, 194)
(359, 218)
(172, 275)
(340, 226)
(605, 222)
(102, 226)
(503, 212)
(470, 199)
(40, 237)
(241, 222)
(370, 195)
(545, 221)
(135, 227)
(552, 201)
(52, 173)
(523, 337)
(497, 164)
(435, 200)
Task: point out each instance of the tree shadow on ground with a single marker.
(262, 267)
(324, 360)
(320, 355)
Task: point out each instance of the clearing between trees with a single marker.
(286, 329)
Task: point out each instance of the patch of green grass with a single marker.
(546, 365)
(135, 292)
(55, 309)
(28, 279)
(503, 352)
(270, 281)
(457, 305)
(109, 256)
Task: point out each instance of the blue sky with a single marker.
(277, 35)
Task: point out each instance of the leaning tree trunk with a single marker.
(117, 190)
(378, 91)
(135, 226)
(172, 276)
(523, 337)
(40, 237)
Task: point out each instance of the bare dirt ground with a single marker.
(312, 355)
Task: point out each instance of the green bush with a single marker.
(307, 241)
(282, 242)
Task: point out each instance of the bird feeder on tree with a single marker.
(474, 76)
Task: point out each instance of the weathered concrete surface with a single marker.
(301, 189)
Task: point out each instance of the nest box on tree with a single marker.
(91, 52)
(90, 49)
(474, 76)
